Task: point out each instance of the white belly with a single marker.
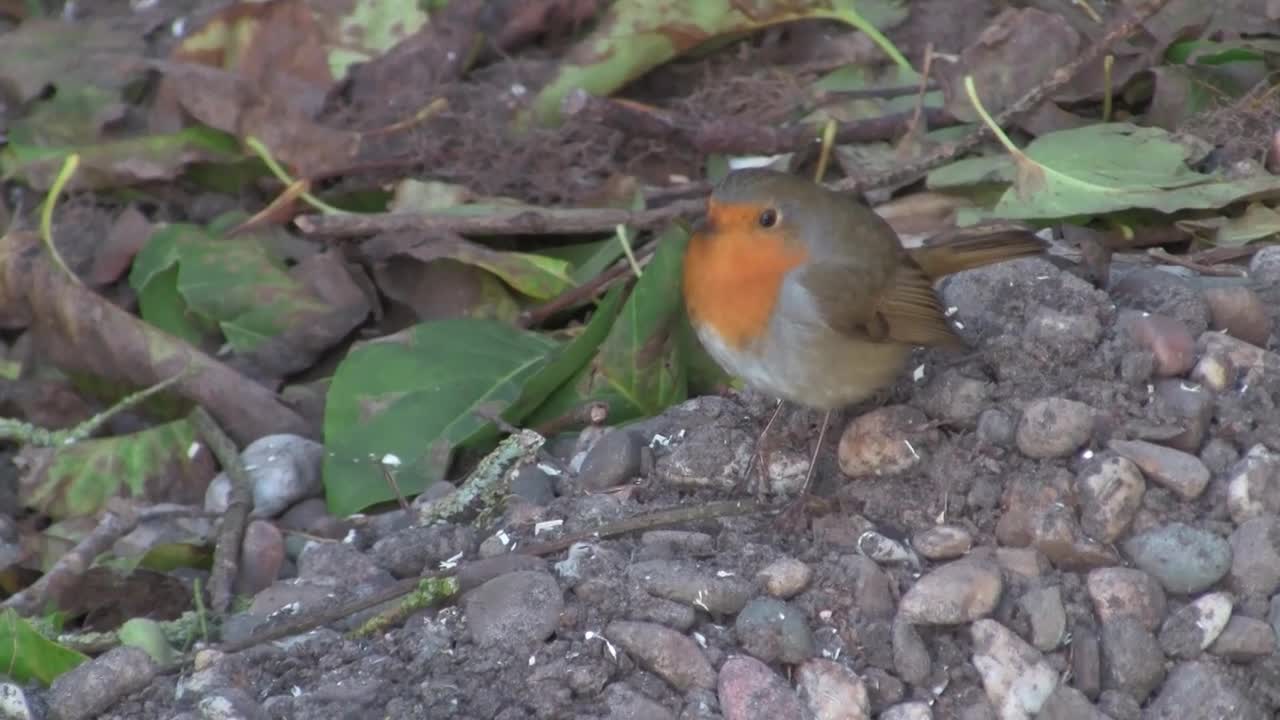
(789, 364)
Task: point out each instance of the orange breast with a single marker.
(733, 272)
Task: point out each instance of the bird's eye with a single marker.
(768, 218)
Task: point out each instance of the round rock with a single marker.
(884, 441)
(958, 592)
(1183, 473)
(1127, 592)
(832, 691)
(1110, 494)
(785, 577)
(1255, 557)
(748, 690)
(612, 461)
(1054, 427)
(1131, 658)
(1184, 559)
(514, 609)
(1195, 626)
(942, 542)
(666, 653)
(774, 631)
(1017, 678)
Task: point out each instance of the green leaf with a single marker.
(972, 171)
(414, 396)
(1105, 168)
(1257, 222)
(230, 282)
(155, 465)
(116, 163)
(640, 369)
(26, 655)
(147, 634)
(637, 36)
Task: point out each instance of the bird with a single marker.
(809, 296)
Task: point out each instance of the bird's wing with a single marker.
(903, 308)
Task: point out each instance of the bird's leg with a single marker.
(797, 503)
(757, 452)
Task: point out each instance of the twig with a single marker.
(1056, 80)
(650, 521)
(226, 554)
(11, 429)
(730, 134)
(573, 296)
(516, 221)
(1190, 264)
(120, 518)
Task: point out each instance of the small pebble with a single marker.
(885, 550)
(1068, 703)
(832, 691)
(666, 653)
(1015, 675)
(1188, 404)
(1054, 427)
(785, 577)
(1255, 557)
(612, 461)
(1163, 293)
(513, 610)
(1131, 658)
(1056, 534)
(685, 583)
(1202, 690)
(910, 655)
(774, 631)
(958, 592)
(905, 711)
(1240, 312)
(284, 469)
(1244, 639)
(1171, 345)
(750, 690)
(1184, 559)
(1119, 705)
(1254, 487)
(995, 427)
(1226, 361)
(1086, 661)
(14, 703)
(1181, 472)
(885, 441)
(1022, 561)
(1110, 494)
(261, 558)
(1047, 615)
(532, 484)
(1118, 591)
(1195, 626)
(955, 398)
(1067, 335)
(89, 688)
(942, 542)
(625, 703)
(1264, 266)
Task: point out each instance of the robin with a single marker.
(809, 296)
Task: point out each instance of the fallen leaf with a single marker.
(80, 331)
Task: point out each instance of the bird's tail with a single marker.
(972, 247)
